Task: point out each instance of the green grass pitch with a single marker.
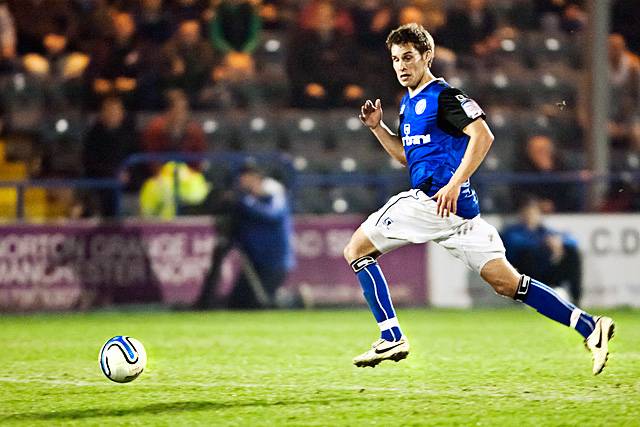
(481, 367)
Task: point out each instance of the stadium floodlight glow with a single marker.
(508, 45)
(353, 124)
(210, 126)
(340, 205)
(549, 80)
(62, 126)
(306, 124)
(348, 164)
(300, 163)
(552, 44)
(272, 45)
(258, 124)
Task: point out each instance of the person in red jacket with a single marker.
(174, 130)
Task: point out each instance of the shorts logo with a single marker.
(421, 106)
(387, 222)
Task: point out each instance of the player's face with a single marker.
(408, 64)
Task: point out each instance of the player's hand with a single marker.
(447, 200)
(371, 114)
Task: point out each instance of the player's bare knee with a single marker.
(502, 277)
(352, 251)
(503, 287)
(501, 284)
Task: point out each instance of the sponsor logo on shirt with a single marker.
(416, 140)
(413, 140)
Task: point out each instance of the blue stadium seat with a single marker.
(549, 48)
(221, 130)
(258, 133)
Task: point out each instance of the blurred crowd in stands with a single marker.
(85, 83)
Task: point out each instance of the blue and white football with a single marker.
(122, 359)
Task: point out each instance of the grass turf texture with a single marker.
(504, 367)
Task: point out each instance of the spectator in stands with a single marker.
(533, 247)
(188, 10)
(624, 195)
(60, 67)
(542, 157)
(565, 15)
(235, 34)
(574, 18)
(322, 63)
(118, 64)
(94, 23)
(273, 15)
(626, 21)
(35, 19)
(187, 60)
(174, 131)
(107, 144)
(432, 16)
(154, 23)
(624, 81)
(235, 27)
(7, 38)
(470, 29)
(373, 20)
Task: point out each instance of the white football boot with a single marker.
(598, 342)
(383, 350)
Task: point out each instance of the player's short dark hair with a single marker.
(414, 34)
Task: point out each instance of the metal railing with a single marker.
(296, 181)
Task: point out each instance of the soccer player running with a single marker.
(443, 140)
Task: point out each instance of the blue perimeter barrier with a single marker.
(296, 181)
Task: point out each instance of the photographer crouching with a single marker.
(257, 220)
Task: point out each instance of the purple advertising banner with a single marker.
(81, 265)
(324, 278)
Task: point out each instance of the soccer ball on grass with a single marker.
(122, 359)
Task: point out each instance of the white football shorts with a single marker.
(410, 217)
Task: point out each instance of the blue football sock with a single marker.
(548, 303)
(376, 292)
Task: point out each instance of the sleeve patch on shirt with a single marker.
(471, 108)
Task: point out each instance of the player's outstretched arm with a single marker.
(480, 140)
(371, 116)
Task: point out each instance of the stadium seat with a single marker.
(549, 48)
(506, 129)
(258, 133)
(305, 132)
(220, 130)
(312, 200)
(354, 199)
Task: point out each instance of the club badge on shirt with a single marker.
(421, 106)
